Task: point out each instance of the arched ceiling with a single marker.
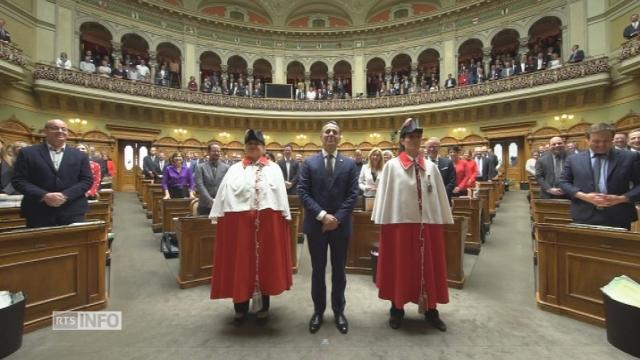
(306, 13)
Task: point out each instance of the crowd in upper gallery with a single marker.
(543, 53)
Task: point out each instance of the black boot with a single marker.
(241, 310)
(395, 317)
(433, 317)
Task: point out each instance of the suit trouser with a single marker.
(53, 220)
(318, 244)
(204, 210)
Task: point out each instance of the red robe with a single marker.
(234, 264)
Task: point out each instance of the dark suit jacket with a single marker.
(5, 36)
(336, 195)
(623, 170)
(34, 176)
(448, 172)
(6, 173)
(449, 83)
(149, 164)
(546, 176)
(294, 167)
(577, 56)
(630, 32)
(485, 169)
(492, 164)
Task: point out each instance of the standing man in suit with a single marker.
(482, 164)
(620, 141)
(633, 29)
(603, 183)
(161, 163)
(53, 178)
(450, 82)
(493, 162)
(290, 168)
(577, 55)
(209, 175)
(150, 164)
(549, 169)
(445, 165)
(634, 140)
(328, 188)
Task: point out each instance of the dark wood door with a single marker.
(510, 152)
(130, 155)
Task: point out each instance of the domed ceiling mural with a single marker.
(311, 13)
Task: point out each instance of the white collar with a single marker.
(325, 153)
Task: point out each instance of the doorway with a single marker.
(511, 157)
(130, 155)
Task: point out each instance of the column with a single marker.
(153, 64)
(330, 81)
(116, 53)
(224, 76)
(279, 73)
(190, 63)
(65, 34)
(307, 81)
(523, 45)
(387, 77)
(359, 77)
(250, 81)
(44, 34)
(486, 60)
(448, 60)
(414, 73)
(597, 41)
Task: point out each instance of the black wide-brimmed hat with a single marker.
(252, 134)
(411, 125)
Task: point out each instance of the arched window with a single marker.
(236, 15)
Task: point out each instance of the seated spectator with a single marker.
(631, 31)
(4, 33)
(63, 61)
(311, 93)
(104, 69)
(193, 85)
(143, 71)
(118, 72)
(87, 65)
(207, 87)
(434, 86)
(132, 73)
(555, 61)
(577, 55)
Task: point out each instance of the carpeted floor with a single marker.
(493, 317)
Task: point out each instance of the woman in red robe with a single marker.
(411, 207)
(252, 257)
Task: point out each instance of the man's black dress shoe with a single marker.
(433, 318)
(394, 322)
(341, 323)
(315, 322)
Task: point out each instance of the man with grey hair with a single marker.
(328, 189)
(603, 183)
(209, 175)
(53, 178)
(549, 170)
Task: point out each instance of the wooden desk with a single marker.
(455, 234)
(491, 195)
(365, 235)
(10, 217)
(294, 203)
(552, 211)
(58, 268)
(470, 208)
(196, 237)
(138, 176)
(574, 263)
(99, 211)
(154, 211)
(483, 195)
(294, 230)
(146, 193)
(171, 209)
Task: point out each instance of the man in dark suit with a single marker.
(161, 163)
(450, 82)
(54, 179)
(445, 165)
(4, 34)
(482, 164)
(492, 163)
(633, 29)
(289, 167)
(150, 164)
(577, 55)
(603, 183)
(549, 169)
(328, 188)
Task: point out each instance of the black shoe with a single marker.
(341, 323)
(394, 322)
(238, 318)
(315, 322)
(433, 317)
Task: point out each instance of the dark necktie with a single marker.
(597, 167)
(330, 165)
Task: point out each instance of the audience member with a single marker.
(603, 183)
(370, 173)
(63, 61)
(87, 65)
(620, 141)
(290, 169)
(549, 170)
(577, 55)
(193, 85)
(630, 32)
(104, 69)
(96, 174)
(54, 190)
(177, 179)
(209, 175)
(530, 166)
(143, 71)
(4, 33)
(118, 72)
(634, 140)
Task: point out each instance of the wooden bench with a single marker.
(455, 235)
(472, 209)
